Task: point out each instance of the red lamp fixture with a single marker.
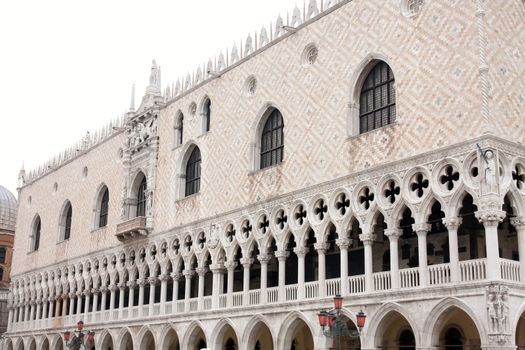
(323, 318)
(338, 302)
(91, 337)
(67, 335)
(361, 318)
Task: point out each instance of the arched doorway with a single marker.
(126, 342)
(32, 344)
(148, 342)
(260, 337)
(297, 336)
(45, 344)
(226, 338)
(107, 342)
(352, 343)
(197, 339)
(395, 332)
(456, 330)
(171, 341)
(520, 333)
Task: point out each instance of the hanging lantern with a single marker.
(361, 318)
(67, 335)
(331, 320)
(338, 302)
(91, 337)
(323, 318)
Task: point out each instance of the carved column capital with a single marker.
(264, 258)
(201, 270)
(113, 288)
(176, 276)
(342, 243)
(421, 228)
(142, 282)
(164, 277)
(230, 265)
(322, 247)
(188, 273)
(104, 289)
(518, 222)
(217, 268)
(152, 280)
(300, 251)
(490, 217)
(281, 255)
(393, 233)
(246, 262)
(87, 292)
(367, 238)
(453, 222)
(71, 295)
(79, 293)
(122, 285)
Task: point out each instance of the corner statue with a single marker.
(154, 78)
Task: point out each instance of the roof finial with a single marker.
(132, 104)
(21, 177)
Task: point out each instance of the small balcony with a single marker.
(132, 228)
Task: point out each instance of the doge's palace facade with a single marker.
(367, 148)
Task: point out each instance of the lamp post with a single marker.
(335, 327)
(77, 340)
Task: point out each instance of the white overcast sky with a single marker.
(67, 66)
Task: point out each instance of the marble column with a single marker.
(490, 218)
(422, 229)
(230, 266)
(176, 278)
(94, 292)
(79, 295)
(393, 237)
(142, 283)
(201, 272)
(216, 269)
(246, 264)
(301, 254)
(452, 224)
(131, 295)
(152, 282)
(163, 292)
(71, 311)
(188, 274)
(264, 259)
(122, 290)
(113, 289)
(519, 224)
(103, 298)
(343, 244)
(368, 240)
(281, 256)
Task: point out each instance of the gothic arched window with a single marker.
(193, 172)
(377, 104)
(272, 140)
(104, 208)
(179, 129)
(67, 221)
(207, 115)
(141, 197)
(35, 234)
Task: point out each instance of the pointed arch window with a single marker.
(2, 255)
(193, 172)
(141, 197)
(179, 129)
(377, 104)
(104, 208)
(207, 115)
(272, 140)
(35, 235)
(67, 221)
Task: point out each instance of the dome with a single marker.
(8, 208)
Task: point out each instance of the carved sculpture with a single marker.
(498, 308)
(489, 174)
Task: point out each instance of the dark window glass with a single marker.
(378, 99)
(272, 140)
(141, 198)
(181, 129)
(36, 237)
(1, 274)
(104, 208)
(67, 228)
(193, 172)
(2, 255)
(207, 111)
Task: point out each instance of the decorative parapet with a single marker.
(89, 141)
(259, 40)
(132, 228)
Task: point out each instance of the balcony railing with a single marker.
(438, 275)
(132, 228)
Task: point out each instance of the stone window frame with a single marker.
(63, 234)
(133, 195)
(256, 135)
(178, 129)
(180, 188)
(36, 234)
(205, 113)
(356, 84)
(97, 208)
